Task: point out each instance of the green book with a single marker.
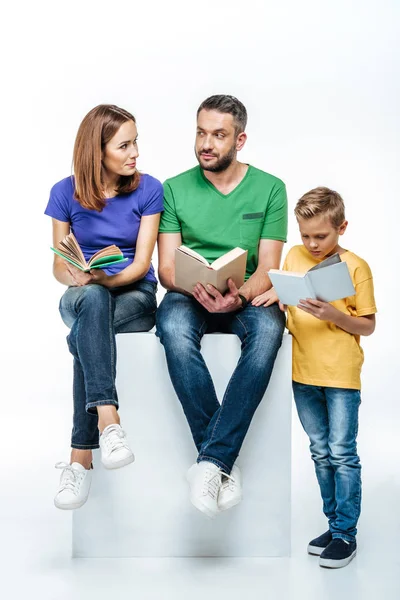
(70, 251)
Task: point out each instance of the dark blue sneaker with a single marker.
(319, 544)
(338, 554)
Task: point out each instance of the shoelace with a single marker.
(114, 439)
(70, 478)
(212, 483)
(228, 483)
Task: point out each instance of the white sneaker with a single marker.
(115, 452)
(205, 481)
(74, 487)
(231, 489)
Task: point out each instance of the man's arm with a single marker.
(167, 243)
(269, 257)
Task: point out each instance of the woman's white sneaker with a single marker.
(74, 487)
(230, 493)
(115, 452)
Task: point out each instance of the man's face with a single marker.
(216, 140)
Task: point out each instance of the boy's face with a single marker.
(319, 236)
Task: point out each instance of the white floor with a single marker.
(36, 545)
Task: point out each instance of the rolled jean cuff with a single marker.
(91, 406)
(84, 446)
(343, 536)
(215, 461)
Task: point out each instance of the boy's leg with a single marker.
(343, 405)
(313, 414)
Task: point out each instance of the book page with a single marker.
(331, 260)
(227, 258)
(193, 254)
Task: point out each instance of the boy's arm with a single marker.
(364, 325)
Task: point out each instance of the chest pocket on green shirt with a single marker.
(250, 228)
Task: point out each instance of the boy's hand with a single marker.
(266, 299)
(321, 310)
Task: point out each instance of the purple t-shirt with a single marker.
(118, 223)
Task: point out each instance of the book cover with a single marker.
(329, 280)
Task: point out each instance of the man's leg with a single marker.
(181, 323)
(260, 331)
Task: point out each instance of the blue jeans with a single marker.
(218, 430)
(330, 418)
(95, 314)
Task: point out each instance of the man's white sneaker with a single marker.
(74, 487)
(205, 481)
(231, 489)
(115, 452)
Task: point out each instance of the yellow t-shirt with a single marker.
(323, 354)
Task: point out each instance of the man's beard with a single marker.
(223, 162)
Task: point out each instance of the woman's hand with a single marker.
(101, 278)
(78, 277)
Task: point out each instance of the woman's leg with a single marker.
(89, 312)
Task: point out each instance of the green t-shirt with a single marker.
(212, 223)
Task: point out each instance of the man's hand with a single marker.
(79, 278)
(321, 310)
(215, 302)
(266, 299)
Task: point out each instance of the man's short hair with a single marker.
(227, 104)
(321, 201)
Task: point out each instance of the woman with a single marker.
(106, 202)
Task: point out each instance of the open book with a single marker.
(329, 280)
(192, 268)
(70, 250)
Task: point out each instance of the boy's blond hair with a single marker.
(321, 201)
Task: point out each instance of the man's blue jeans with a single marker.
(95, 314)
(330, 418)
(218, 431)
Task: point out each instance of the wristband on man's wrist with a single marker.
(244, 301)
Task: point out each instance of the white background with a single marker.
(320, 81)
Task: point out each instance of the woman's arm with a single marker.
(146, 241)
(63, 271)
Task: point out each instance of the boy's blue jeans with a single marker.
(330, 418)
(95, 314)
(218, 431)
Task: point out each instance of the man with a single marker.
(213, 208)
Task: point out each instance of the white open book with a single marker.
(192, 268)
(327, 281)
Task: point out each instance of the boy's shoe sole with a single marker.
(330, 563)
(315, 550)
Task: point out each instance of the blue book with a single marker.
(329, 280)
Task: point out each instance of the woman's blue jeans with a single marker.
(330, 418)
(95, 314)
(218, 431)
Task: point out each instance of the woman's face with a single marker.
(120, 153)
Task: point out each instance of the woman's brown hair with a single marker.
(95, 131)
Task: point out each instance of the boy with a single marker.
(327, 360)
